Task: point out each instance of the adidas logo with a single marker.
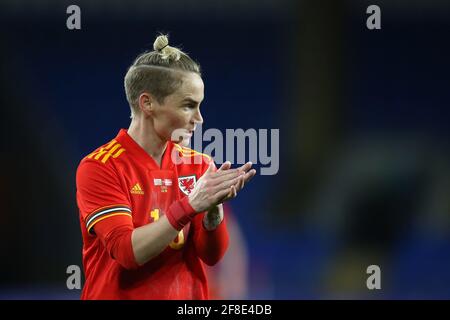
(137, 189)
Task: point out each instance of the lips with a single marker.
(188, 133)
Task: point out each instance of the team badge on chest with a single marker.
(187, 184)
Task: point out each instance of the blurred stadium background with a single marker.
(364, 136)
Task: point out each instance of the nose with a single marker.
(198, 117)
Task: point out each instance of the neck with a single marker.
(143, 133)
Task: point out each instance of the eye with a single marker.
(189, 106)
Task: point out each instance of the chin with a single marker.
(185, 142)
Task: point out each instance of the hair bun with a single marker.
(161, 45)
(161, 42)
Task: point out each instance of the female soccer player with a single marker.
(151, 209)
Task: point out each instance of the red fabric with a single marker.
(180, 213)
(116, 238)
(210, 245)
(119, 188)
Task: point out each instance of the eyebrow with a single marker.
(190, 100)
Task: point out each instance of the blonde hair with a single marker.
(158, 72)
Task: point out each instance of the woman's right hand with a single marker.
(213, 187)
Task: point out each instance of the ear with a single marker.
(146, 103)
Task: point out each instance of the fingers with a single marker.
(249, 175)
(233, 192)
(224, 194)
(211, 167)
(243, 177)
(227, 183)
(225, 169)
(246, 166)
(219, 176)
(225, 166)
(240, 183)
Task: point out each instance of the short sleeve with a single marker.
(100, 195)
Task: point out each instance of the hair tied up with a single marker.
(161, 42)
(163, 48)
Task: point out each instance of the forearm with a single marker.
(213, 218)
(150, 240)
(211, 244)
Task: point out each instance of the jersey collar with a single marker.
(136, 150)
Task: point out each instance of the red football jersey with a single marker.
(120, 187)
